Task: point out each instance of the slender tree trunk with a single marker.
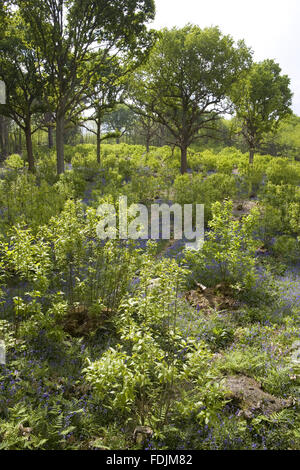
(183, 159)
(20, 141)
(30, 157)
(16, 141)
(6, 136)
(99, 141)
(2, 152)
(50, 137)
(147, 143)
(3, 136)
(251, 156)
(118, 138)
(60, 128)
(162, 136)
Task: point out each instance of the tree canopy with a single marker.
(262, 98)
(74, 38)
(20, 71)
(187, 80)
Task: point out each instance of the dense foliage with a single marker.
(104, 337)
(130, 344)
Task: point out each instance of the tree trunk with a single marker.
(251, 156)
(99, 141)
(16, 142)
(183, 159)
(60, 128)
(3, 136)
(30, 157)
(20, 141)
(148, 143)
(50, 137)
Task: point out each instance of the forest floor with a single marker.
(255, 349)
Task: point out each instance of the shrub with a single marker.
(215, 188)
(287, 248)
(186, 188)
(145, 375)
(14, 162)
(228, 253)
(281, 171)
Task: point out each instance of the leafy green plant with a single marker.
(142, 376)
(228, 251)
(287, 248)
(14, 162)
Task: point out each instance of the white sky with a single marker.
(270, 27)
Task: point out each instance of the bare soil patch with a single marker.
(247, 395)
(220, 297)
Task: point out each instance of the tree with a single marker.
(186, 81)
(147, 128)
(48, 122)
(73, 37)
(105, 93)
(3, 18)
(20, 71)
(262, 98)
(4, 125)
(3, 120)
(120, 120)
